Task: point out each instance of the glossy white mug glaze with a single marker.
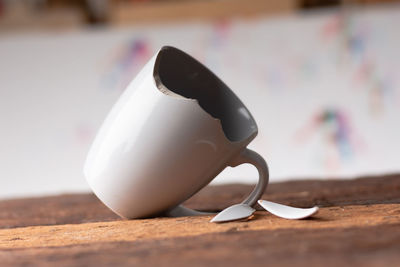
(174, 129)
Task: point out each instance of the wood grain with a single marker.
(84, 208)
(159, 228)
(358, 225)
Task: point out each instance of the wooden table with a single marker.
(358, 225)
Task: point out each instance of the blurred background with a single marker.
(322, 79)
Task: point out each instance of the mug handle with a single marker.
(255, 159)
(246, 156)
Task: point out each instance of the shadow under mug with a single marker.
(173, 130)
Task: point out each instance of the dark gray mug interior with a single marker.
(181, 74)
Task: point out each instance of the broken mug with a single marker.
(173, 130)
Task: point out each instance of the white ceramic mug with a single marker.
(174, 129)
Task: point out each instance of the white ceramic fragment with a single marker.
(234, 212)
(287, 212)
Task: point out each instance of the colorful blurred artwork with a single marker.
(324, 89)
(126, 61)
(338, 141)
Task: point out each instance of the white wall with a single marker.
(324, 89)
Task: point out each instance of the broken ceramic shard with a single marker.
(233, 213)
(242, 211)
(287, 212)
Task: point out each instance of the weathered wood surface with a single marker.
(359, 225)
